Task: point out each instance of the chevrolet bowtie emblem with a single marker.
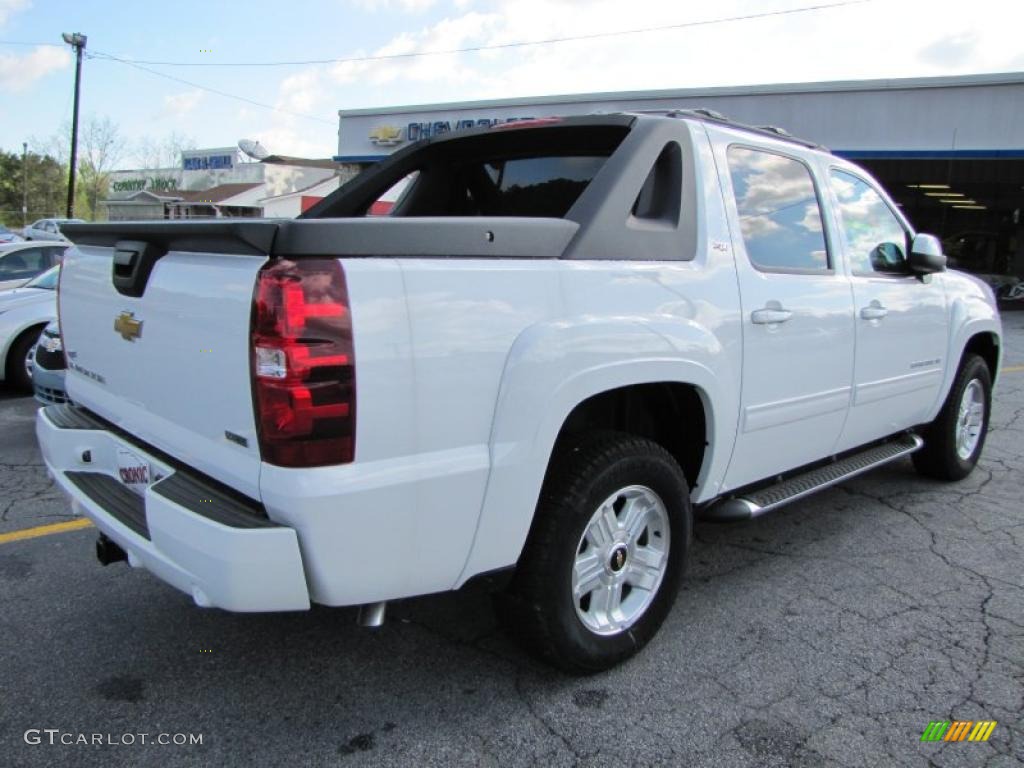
(129, 328)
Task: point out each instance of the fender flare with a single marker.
(552, 368)
(966, 322)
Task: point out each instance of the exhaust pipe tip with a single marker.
(108, 552)
(372, 615)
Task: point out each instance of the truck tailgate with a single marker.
(170, 366)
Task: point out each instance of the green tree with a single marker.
(47, 187)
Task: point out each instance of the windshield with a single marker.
(47, 280)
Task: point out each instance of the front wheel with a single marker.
(604, 560)
(953, 442)
(19, 360)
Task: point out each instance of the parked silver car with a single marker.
(47, 229)
(48, 366)
(21, 262)
(24, 312)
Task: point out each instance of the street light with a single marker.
(24, 185)
(77, 41)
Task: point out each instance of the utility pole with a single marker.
(24, 185)
(76, 41)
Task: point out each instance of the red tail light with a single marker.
(303, 364)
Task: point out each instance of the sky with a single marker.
(869, 39)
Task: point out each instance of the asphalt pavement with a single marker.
(831, 632)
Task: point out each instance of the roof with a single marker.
(306, 162)
(335, 180)
(216, 194)
(958, 81)
(5, 247)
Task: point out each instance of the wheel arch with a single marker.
(986, 345)
(14, 339)
(524, 440)
(651, 410)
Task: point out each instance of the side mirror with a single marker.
(926, 255)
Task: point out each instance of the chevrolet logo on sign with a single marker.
(386, 135)
(126, 325)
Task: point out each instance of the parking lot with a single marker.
(828, 633)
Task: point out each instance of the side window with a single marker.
(54, 255)
(22, 264)
(779, 213)
(873, 237)
(33, 260)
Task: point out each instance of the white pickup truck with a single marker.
(567, 339)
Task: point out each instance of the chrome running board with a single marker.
(757, 501)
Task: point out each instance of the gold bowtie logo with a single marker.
(126, 325)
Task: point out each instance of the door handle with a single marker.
(770, 316)
(873, 311)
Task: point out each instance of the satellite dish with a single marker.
(253, 149)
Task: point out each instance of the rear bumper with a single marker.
(185, 530)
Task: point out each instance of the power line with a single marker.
(37, 45)
(136, 65)
(499, 46)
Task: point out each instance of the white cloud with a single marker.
(10, 7)
(17, 73)
(781, 48)
(788, 48)
(300, 92)
(951, 51)
(182, 104)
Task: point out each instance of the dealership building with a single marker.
(950, 150)
(222, 182)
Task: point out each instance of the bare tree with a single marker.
(102, 147)
(153, 153)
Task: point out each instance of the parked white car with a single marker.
(21, 262)
(564, 341)
(24, 312)
(47, 229)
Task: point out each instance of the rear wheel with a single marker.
(19, 360)
(953, 442)
(604, 560)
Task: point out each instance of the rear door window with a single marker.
(779, 213)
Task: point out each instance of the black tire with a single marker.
(939, 457)
(539, 607)
(17, 377)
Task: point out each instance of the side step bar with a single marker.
(755, 502)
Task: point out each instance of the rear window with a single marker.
(534, 172)
(538, 186)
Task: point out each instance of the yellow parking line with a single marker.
(1013, 369)
(45, 530)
